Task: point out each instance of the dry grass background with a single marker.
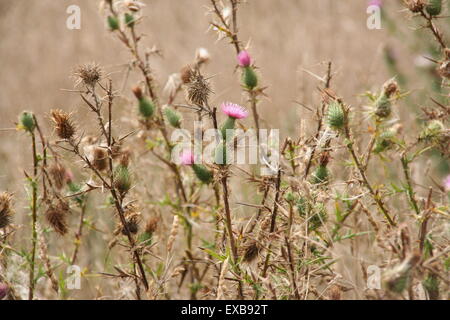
(38, 52)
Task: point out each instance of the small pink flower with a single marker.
(234, 110)
(377, 3)
(244, 59)
(187, 158)
(447, 183)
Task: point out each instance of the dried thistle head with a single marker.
(89, 74)
(5, 209)
(251, 251)
(64, 126)
(198, 89)
(100, 158)
(186, 74)
(56, 216)
(444, 69)
(58, 174)
(202, 56)
(132, 217)
(390, 88)
(415, 6)
(152, 225)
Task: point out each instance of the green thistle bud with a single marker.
(318, 218)
(335, 115)
(221, 154)
(202, 173)
(249, 78)
(146, 107)
(434, 7)
(383, 106)
(113, 23)
(129, 20)
(227, 125)
(320, 175)
(27, 121)
(173, 117)
(122, 179)
(385, 141)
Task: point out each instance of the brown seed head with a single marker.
(132, 217)
(56, 217)
(58, 174)
(100, 161)
(89, 74)
(152, 225)
(198, 89)
(415, 6)
(390, 88)
(63, 124)
(186, 74)
(251, 251)
(5, 209)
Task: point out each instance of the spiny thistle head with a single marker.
(251, 251)
(434, 7)
(5, 209)
(186, 74)
(56, 216)
(113, 23)
(249, 78)
(198, 89)
(383, 104)
(444, 68)
(122, 179)
(151, 225)
(64, 126)
(27, 121)
(173, 117)
(335, 115)
(89, 74)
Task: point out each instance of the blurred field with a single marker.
(38, 53)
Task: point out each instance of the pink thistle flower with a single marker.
(234, 110)
(3, 290)
(447, 183)
(187, 158)
(377, 3)
(244, 59)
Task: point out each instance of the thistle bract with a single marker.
(146, 107)
(249, 78)
(320, 175)
(113, 23)
(383, 106)
(434, 7)
(173, 117)
(384, 141)
(335, 116)
(129, 20)
(221, 154)
(122, 179)
(202, 173)
(227, 125)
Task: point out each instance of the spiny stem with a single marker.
(33, 217)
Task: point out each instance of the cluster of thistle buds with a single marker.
(249, 76)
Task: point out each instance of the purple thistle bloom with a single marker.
(187, 158)
(377, 3)
(234, 110)
(3, 290)
(244, 59)
(447, 183)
